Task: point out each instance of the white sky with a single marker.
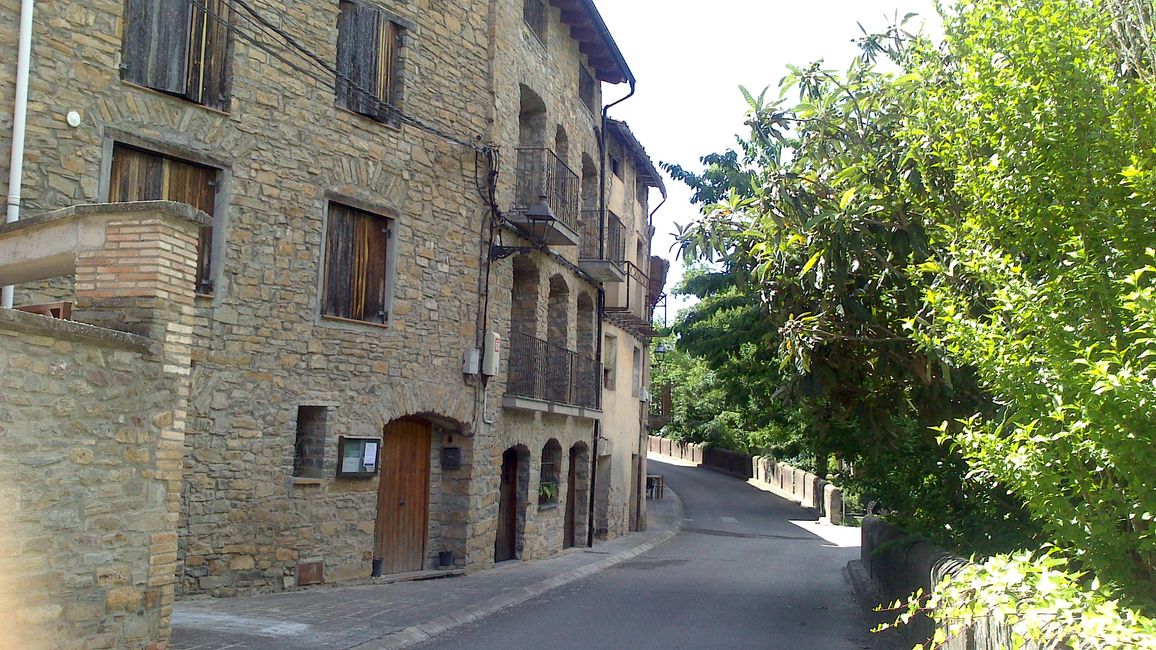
(690, 57)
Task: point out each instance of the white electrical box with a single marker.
(473, 361)
(492, 354)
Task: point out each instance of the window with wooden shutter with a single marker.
(178, 47)
(368, 61)
(536, 17)
(139, 175)
(356, 255)
(586, 89)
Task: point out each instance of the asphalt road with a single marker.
(738, 575)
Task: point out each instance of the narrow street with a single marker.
(739, 574)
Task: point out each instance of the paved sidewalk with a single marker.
(372, 617)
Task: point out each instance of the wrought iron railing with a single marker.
(542, 173)
(630, 296)
(541, 370)
(615, 233)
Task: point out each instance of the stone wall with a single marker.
(93, 423)
(804, 488)
(896, 565)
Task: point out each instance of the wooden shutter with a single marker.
(208, 50)
(357, 57)
(138, 175)
(156, 44)
(195, 185)
(355, 265)
(389, 35)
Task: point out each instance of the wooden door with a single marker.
(506, 542)
(571, 502)
(403, 496)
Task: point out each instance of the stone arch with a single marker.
(590, 184)
(562, 144)
(514, 486)
(558, 312)
(585, 326)
(524, 297)
(577, 497)
(531, 119)
(550, 474)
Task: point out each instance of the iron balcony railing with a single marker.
(615, 232)
(542, 173)
(630, 296)
(541, 370)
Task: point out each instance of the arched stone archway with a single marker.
(513, 489)
(577, 496)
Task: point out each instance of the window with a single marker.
(616, 167)
(356, 255)
(139, 175)
(368, 61)
(609, 361)
(309, 447)
(548, 475)
(534, 13)
(586, 89)
(636, 373)
(178, 47)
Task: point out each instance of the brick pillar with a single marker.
(142, 279)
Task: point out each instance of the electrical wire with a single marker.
(332, 73)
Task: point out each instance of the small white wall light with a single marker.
(73, 119)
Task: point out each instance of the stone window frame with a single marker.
(317, 415)
(587, 89)
(405, 32)
(550, 474)
(609, 361)
(636, 372)
(195, 153)
(394, 217)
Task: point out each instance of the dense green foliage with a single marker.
(943, 278)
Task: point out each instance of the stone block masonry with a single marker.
(92, 421)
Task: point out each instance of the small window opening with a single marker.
(309, 448)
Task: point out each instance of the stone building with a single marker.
(403, 283)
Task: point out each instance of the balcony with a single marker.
(660, 406)
(628, 303)
(549, 378)
(604, 264)
(543, 174)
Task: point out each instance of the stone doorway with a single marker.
(577, 496)
(403, 496)
(512, 493)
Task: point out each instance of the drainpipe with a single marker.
(601, 302)
(19, 117)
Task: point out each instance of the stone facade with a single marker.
(471, 71)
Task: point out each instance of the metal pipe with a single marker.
(19, 120)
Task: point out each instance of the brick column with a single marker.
(142, 279)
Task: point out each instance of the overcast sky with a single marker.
(690, 57)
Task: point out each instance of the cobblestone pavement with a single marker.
(395, 615)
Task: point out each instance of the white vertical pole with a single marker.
(19, 119)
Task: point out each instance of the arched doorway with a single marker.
(512, 491)
(577, 496)
(403, 496)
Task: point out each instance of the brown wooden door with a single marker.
(505, 547)
(571, 505)
(403, 496)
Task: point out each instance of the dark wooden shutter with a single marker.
(156, 44)
(355, 265)
(389, 51)
(339, 262)
(358, 41)
(195, 185)
(208, 51)
(135, 176)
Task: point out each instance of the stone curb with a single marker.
(420, 632)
